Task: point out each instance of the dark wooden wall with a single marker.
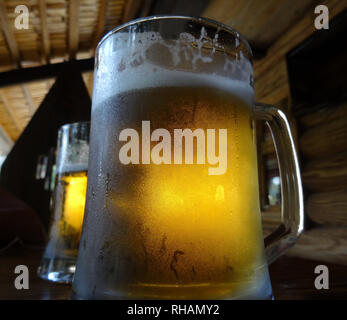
(317, 71)
(304, 74)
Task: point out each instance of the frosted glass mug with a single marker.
(172, 209)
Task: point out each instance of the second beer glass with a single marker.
(59, 258)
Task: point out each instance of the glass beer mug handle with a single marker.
(292, 218)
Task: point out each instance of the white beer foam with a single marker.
(145, 78)
(75, 167)
(124, 66)
(72, 155)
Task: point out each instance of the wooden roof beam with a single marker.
(49, 84)
(28, 98)
(74, 8)
(23, 75)
(8, 35)
(100, 27)
(5, 137)
(44, 30)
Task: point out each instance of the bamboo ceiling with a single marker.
(61, 30)
(58, 30)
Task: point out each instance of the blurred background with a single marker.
(46, 80)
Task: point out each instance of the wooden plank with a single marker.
(6, 142)
(323, 244)
(324, 140)
(10, 111)
(74, 8)
(270, 73)
(267, 147)
(44, 30)
(49, 84)
(295, 35)
(326, 174)
(8, 35)
(100, 26)
(28, 99)
(272, 86)
(261, 22)
(43, 72)
(328, 208)
(271, 218)
(328, 113)
(7, 123)
(293, 278)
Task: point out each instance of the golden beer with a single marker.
(69, 207)
(68, 211)
(178, 232)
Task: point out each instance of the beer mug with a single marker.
(59, 259)
(172, 209)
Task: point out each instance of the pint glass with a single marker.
(172, 208)
(59, 259)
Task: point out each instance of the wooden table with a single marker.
(292, 278)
